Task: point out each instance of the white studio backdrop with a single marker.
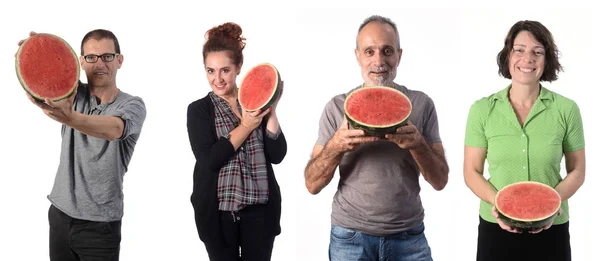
(449, 53)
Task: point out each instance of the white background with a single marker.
(449, 53)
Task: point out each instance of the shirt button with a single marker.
(523, 167)
(523, 150)
(523, 135)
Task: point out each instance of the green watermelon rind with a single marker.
(526, 224)
(374, 130)
(274, 95)
(22, 81)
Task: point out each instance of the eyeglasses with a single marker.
(107, 57)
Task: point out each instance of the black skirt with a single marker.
(495, 243)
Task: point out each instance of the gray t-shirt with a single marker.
(89, 180)
(378, 190)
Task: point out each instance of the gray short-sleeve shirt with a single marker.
(89, 181)
(378, 190)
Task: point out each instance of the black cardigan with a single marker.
(211, 154)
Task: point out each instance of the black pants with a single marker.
(244, 229)
(494, 243)
(81, 240)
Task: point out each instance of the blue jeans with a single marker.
(349, 245)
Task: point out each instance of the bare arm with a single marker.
(272, 122)
(473, 164)
(249, 122)
(320, 169)
(275, 142)
(325, 159)
(432, 163)
(575, 165)
(430, 158)
(128, 119)
(99, 126)
(238, 135)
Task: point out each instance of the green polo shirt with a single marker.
(529, 153)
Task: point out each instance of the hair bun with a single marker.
(231, 29)
(227, 30)
(225, 37)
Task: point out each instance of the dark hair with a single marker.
(100, 34)
(379, 19)
(225, 37)
(551, 65)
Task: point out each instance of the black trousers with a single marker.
(245, 236)
(81, 240)
(494, 243)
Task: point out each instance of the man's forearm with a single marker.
(99, 126)
(430, 160)
(320, 169)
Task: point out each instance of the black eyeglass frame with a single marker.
(106, 57)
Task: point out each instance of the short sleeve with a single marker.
(329, 122)
(431, 131)
(574, 138)
(133, 114)
(475, 131)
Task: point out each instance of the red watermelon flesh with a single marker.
(528, 201)
(378, 106)
(47, 67)
(260, 87)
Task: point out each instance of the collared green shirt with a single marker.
(529, 153)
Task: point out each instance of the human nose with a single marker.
(219, 76)
(378, 59)
(530, 56)
(99, 63)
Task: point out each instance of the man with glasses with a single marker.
(101, 125)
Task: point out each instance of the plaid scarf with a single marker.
(243, 179)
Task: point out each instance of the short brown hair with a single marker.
(100, 34)
(551, 65)
(225, 37)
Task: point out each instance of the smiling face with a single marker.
(527, 59)
(378, 54)
(101, 73)
(221, 72)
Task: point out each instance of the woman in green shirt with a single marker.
(523, 131)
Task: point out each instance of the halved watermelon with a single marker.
(47, 67)
(260, 88)
(378, 110)
(527, 205)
